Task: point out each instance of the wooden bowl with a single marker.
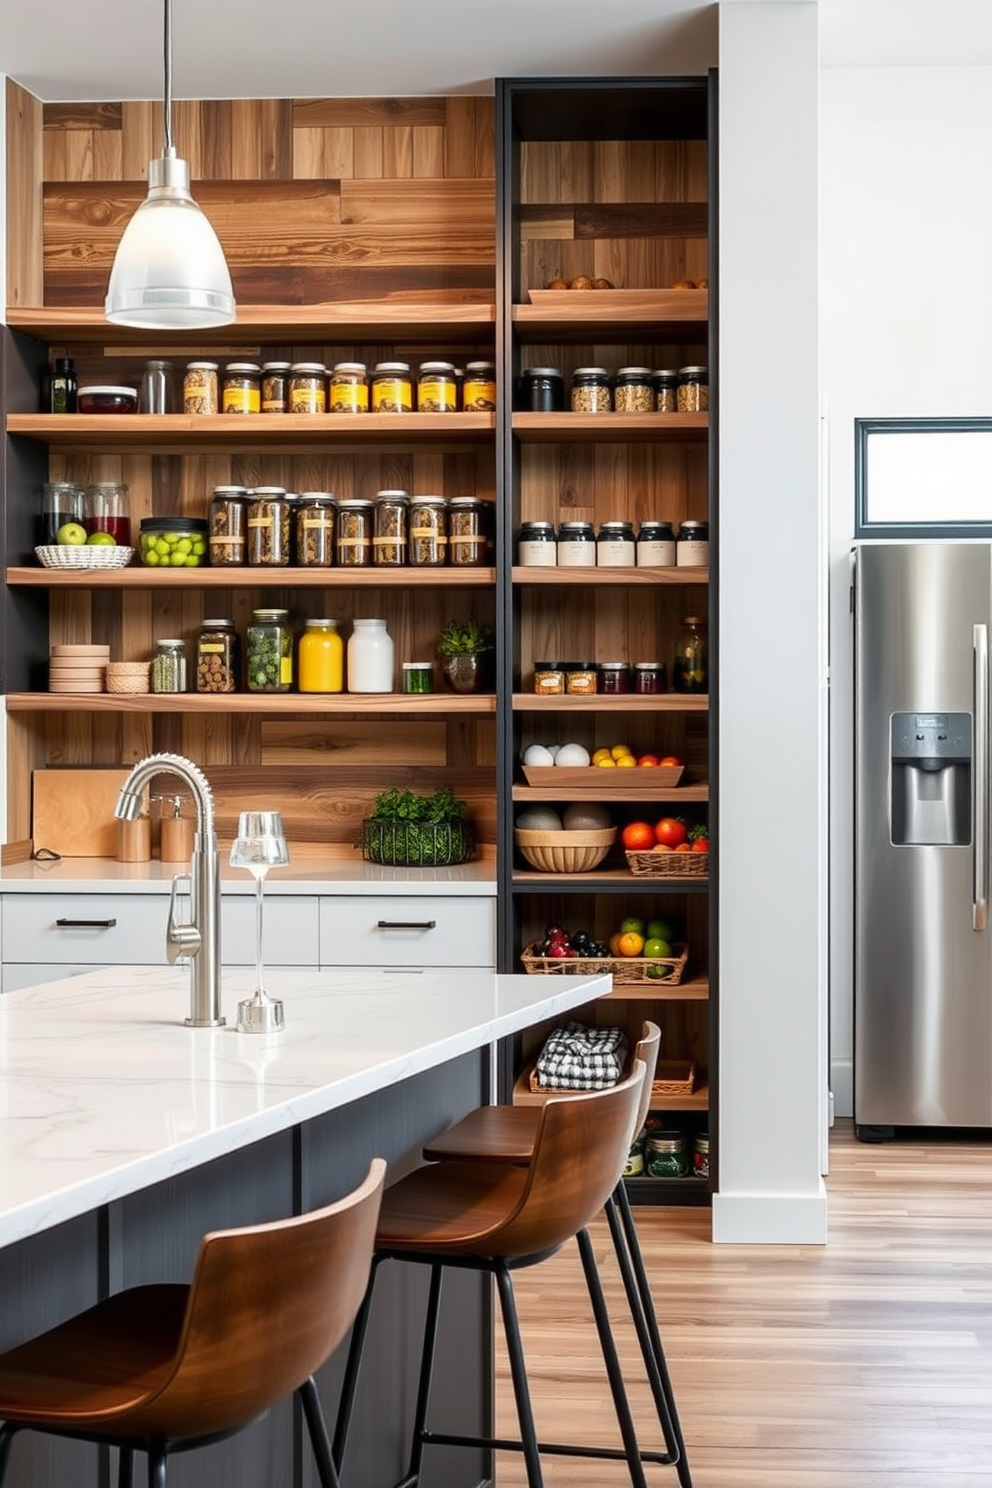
(564, 852)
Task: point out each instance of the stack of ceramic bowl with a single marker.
(77, 668)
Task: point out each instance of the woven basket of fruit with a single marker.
(665, 970)
(564, 852)
(659, 864)
(82, 555)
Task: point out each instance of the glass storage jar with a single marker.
(549, 678)
(591, 390)
(614, 678)
(242, 390)
(655, 545)
(321, 658)
(580, 677)
(701, 1156)
(353, 545)
(370, 657)
(392, 391)
(436, 388)
(275, 387)
(269, 532)
(691, 670)
(666, 1156)
(650, 678)
(228, 526)
(615, 546)
(308, 387)
(349, 388)
(269, 659)
(577, 545)
(694, 390)
(634, 392)
(418, 676)
(155, 395)
(106, 508)
(537, 546)
(542, 390)
(468, 535)
(217, 657)
(390, 522)
(479, 387)
(61, 502)
(200, 387)
(666, 382)
(316, 513)
(428, 532)
(692, 548)
(169, 666)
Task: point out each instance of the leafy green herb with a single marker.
(406, 805)
(465, 638)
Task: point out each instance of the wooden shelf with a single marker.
(608, 428)
(621, 578)
(251, 702)
(606, 878)
(665, 702)
(697, 1101)
(674, 313)
(138, 577)
(696, 989)
(252, 433)
(611, 790)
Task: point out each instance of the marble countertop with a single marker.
(307, 875)
(103, 1090)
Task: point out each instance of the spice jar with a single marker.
(349, 388)
(200, 387)
(694, 390)
(650, 677)
(615, 547)
(666, 382)
(370, 657)
(308, 387)
(468, 543)
(428, 531)
(591, 390)
(418, 676)
(580, 678)
(169, 667)
(321, 658)
(242, 391)
(354, 540)
(577, 545)
(692, 548)
(155, 395)
(691, 671)
(549, 678)
(666, 1156)
(614, 678)
(537, 546)
(228, 526)
(542, 390)
(390, 523)
(275, 387)
(701, 1156)
(269, 662)
(392, 391)
(634, 392)
(479, 387)
(315, 527)
(269, 512)
(436, 388)
(217, 658)
(655, 545)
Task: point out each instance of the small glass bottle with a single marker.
(537, 546)
(691, 670)
(269, 661)
(353, 545)
(615, 546)
(269, 515)
(666, 381)
(242, 391)
(693, 390)
(370, 657)
(577, 545)
(655, 545)
(155, 395)
(479, 387)
(275, 387)
(321, 658)
(468, 537)
(634, 392)
(428, 532)
(316, 522)
(217, 657)
(391, 521)
(349, 388)
(308, 387)
(436, 388)
(169, 667)
(228, 526)
(61, 387)
(591, 390)
(392, 391)
(692, 548)
(200, 387)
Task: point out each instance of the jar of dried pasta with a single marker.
(694, 390)
(390, 536)
(269, 516)
(316, 523)
(634, 391)
(392, 391)
(308, 387)
(353, 545)
(275, 387)
(242, 388)
(436, 388)
(228, 530)
(479, 387)
(428, 532)
(591, 390)
(666, 383)
(349, 388)
(200, 387)
(468, 538)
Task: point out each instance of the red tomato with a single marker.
(701, 844)
(683, 847)
(669, 832)
(637, 836)
(647, 761)
(670, 759)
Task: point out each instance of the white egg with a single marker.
(586, 816)
(538, 819)
(572, 754)
(536, 754)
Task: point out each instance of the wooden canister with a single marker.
(134, 840)
(176, 839)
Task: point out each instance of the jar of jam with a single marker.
(479, 387)
(228, 529)
(634, 392)
(200, 388)
(693, 390)
(308, 387)
(655, 545)
(269, 516)
(666, 382)
(349, 388)
(666, 1156)
(242, 392)
(549, 678)
(536, 545)
(354, 539)
(316, 513)
(576, 545)
(542, 390)
(580, 678)
(650, 677)
(389, 540)
(701, 1156)
(591, 390)
(436, 388)
(275, 387)
(269, 664)
(218, 664)
(692, 548)
(392, 391)
(615, 546)
(428, 532)
(614, 678)
(468, 536)
(691, 670)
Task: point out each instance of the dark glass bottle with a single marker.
(61, 387)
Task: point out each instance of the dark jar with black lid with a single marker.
(655, 545)
(542, 390)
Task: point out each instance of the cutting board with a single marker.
(74, 811)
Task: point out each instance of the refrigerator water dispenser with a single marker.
(931, 779)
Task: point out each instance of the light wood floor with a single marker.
(866, 1363)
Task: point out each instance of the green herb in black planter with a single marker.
(410, 831)
(464, 647)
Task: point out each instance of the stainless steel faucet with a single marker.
(199, 937)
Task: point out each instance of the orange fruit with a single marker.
(638, 836)
(630, 944)
(647, 760)
(670, 759)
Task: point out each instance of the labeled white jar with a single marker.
(370, 657)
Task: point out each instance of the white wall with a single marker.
(906, 315)
(771, 655)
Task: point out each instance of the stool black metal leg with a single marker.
(518, 1373)
(7, 1434)
(319, 1441)
(349, 1385)
(625, 1420)
(125, 1467)
(157, 1466)
(424, 1382)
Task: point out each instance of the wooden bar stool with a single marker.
(499, 1217)
(507, 1134)
(165, 1368)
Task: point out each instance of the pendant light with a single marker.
(169, 272)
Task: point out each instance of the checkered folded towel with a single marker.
(578, 1058)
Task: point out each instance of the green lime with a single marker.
(656, 947)
(632, 926)
(658, 930)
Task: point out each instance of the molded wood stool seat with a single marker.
(498, 1217)
(507, 1134)
(165, 1368)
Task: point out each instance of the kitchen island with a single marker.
(125, 1136)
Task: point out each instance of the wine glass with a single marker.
(259, 846)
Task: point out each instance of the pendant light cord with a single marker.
(167, 96)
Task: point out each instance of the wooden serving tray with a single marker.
(651, 778)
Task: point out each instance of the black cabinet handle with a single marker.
(86, 924)
(407, 925)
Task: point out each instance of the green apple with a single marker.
(101, 540)
(71, 534)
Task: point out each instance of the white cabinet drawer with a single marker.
(407, 931)
(88, 929)
(289, 930)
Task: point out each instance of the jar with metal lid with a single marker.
(577, 545)
(390, 535)
(217, 657)
(392, 391)
(666, 1156)
(691, 670)
(650, 678)
(634, 391)
(479, 387)
(468, 537)
(169, 667)
(614, 678)
(275, 387)
(418, 676)
(634, 1166)
(321, 658)
(542, 390)
(549, 678)
(655, 545)
(436, 388)
(692, 547)
(242, 390)
(591, 390)
(537, 546)
(269, 662)
(354, 539)
(694, 389)
(615, 546)
(269, 532)
(580, 678)
(349, 388)
(666, 382)
(308, 387)
(428, 532)
(701, 1156)
(200, 387)
(316, 521)
(228, 530)
(155, 395)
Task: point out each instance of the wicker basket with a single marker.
(127, 676)
(401, 844)
(648, 971)
(673, 1077)
(564, 852)
(669, 864)
(59, 555)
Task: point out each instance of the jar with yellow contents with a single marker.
(349, 388)
(308, 387)
(320, 663)
(436, 388)
(242, 391)
(392, 391)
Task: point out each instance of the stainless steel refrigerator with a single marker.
(923, 943)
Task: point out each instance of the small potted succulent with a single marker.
(465, 648)
(408, 830)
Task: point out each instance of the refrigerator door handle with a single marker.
(980, 876)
